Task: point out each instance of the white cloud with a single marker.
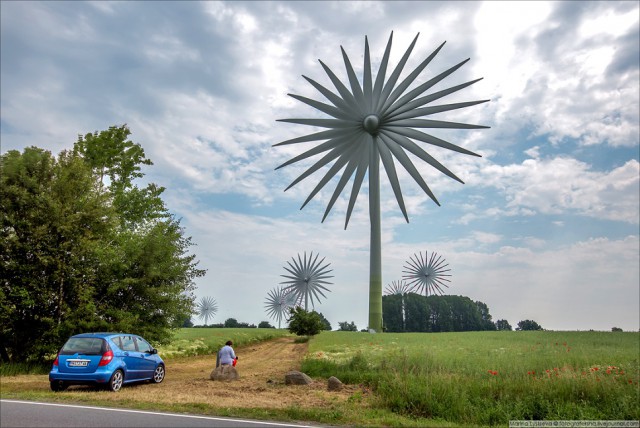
(565, 185)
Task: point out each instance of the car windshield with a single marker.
(83, 345)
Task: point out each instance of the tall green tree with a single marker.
(84, 248)
(52, 220)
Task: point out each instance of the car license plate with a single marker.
(78, 363)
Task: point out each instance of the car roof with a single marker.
(102, 334)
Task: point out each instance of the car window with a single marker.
(127, 343)
(118, 341)
(143, 346)
(83, 345)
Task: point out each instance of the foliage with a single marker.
(345, 326)
(325, 322)
(303, 323)
(528, 325)
(488, 378)
(231, 323)
(412, 312)
(503, 325)
(83, 248)
(265, 324)
(616, 329)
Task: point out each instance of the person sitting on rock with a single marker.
(226, 355)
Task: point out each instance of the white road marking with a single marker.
(177, 415)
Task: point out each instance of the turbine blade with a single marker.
(337, 166)
(388, 87)
(366, 78)
(353, 80)
(394, 111)
(357, 181)
(425, 111)
(327, 145)
(335, 99)
(430, 139)
(377, 88)
(326, 108)
(344, 92)
(412, 147)
(404, 160)
(322, 135)
(428, 123)
(344, 179)
(408, 80)
(389, 167)
(334, 153)
(425, 86)
(324, 123)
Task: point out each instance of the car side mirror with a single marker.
(154, 351)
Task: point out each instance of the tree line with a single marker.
(84, 248)
(411, 312)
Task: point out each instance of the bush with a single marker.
(528, 325)
(303, 323)
(345, 326)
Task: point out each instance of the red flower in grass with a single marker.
(492, 372)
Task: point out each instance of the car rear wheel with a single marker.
(115, 383)
(158, 374)
(58, 385)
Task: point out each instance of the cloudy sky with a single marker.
(546, 226)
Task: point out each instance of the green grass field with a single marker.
(203, 341)
(488, 378)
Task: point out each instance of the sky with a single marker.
(545, 226)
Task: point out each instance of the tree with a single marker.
(303, 323)
(51, 223)
(345, 326)
(616, 329)
(265, 324)
(435, 313)
(503, 325)
(231, 323)
(325, 322)
(79, 252)
(528, 325)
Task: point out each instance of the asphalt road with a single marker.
(14, 413)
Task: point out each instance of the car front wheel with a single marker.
(158, 374)
(58, 385)
(115, 383)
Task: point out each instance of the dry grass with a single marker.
(262, 368)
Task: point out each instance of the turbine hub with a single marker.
(371, 124)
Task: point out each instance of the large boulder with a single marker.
(334, 384)
(224, 373)
(296, 378)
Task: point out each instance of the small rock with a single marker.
(334, 384)
(224, 373)
(296, 378)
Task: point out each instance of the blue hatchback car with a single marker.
(109, 359)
